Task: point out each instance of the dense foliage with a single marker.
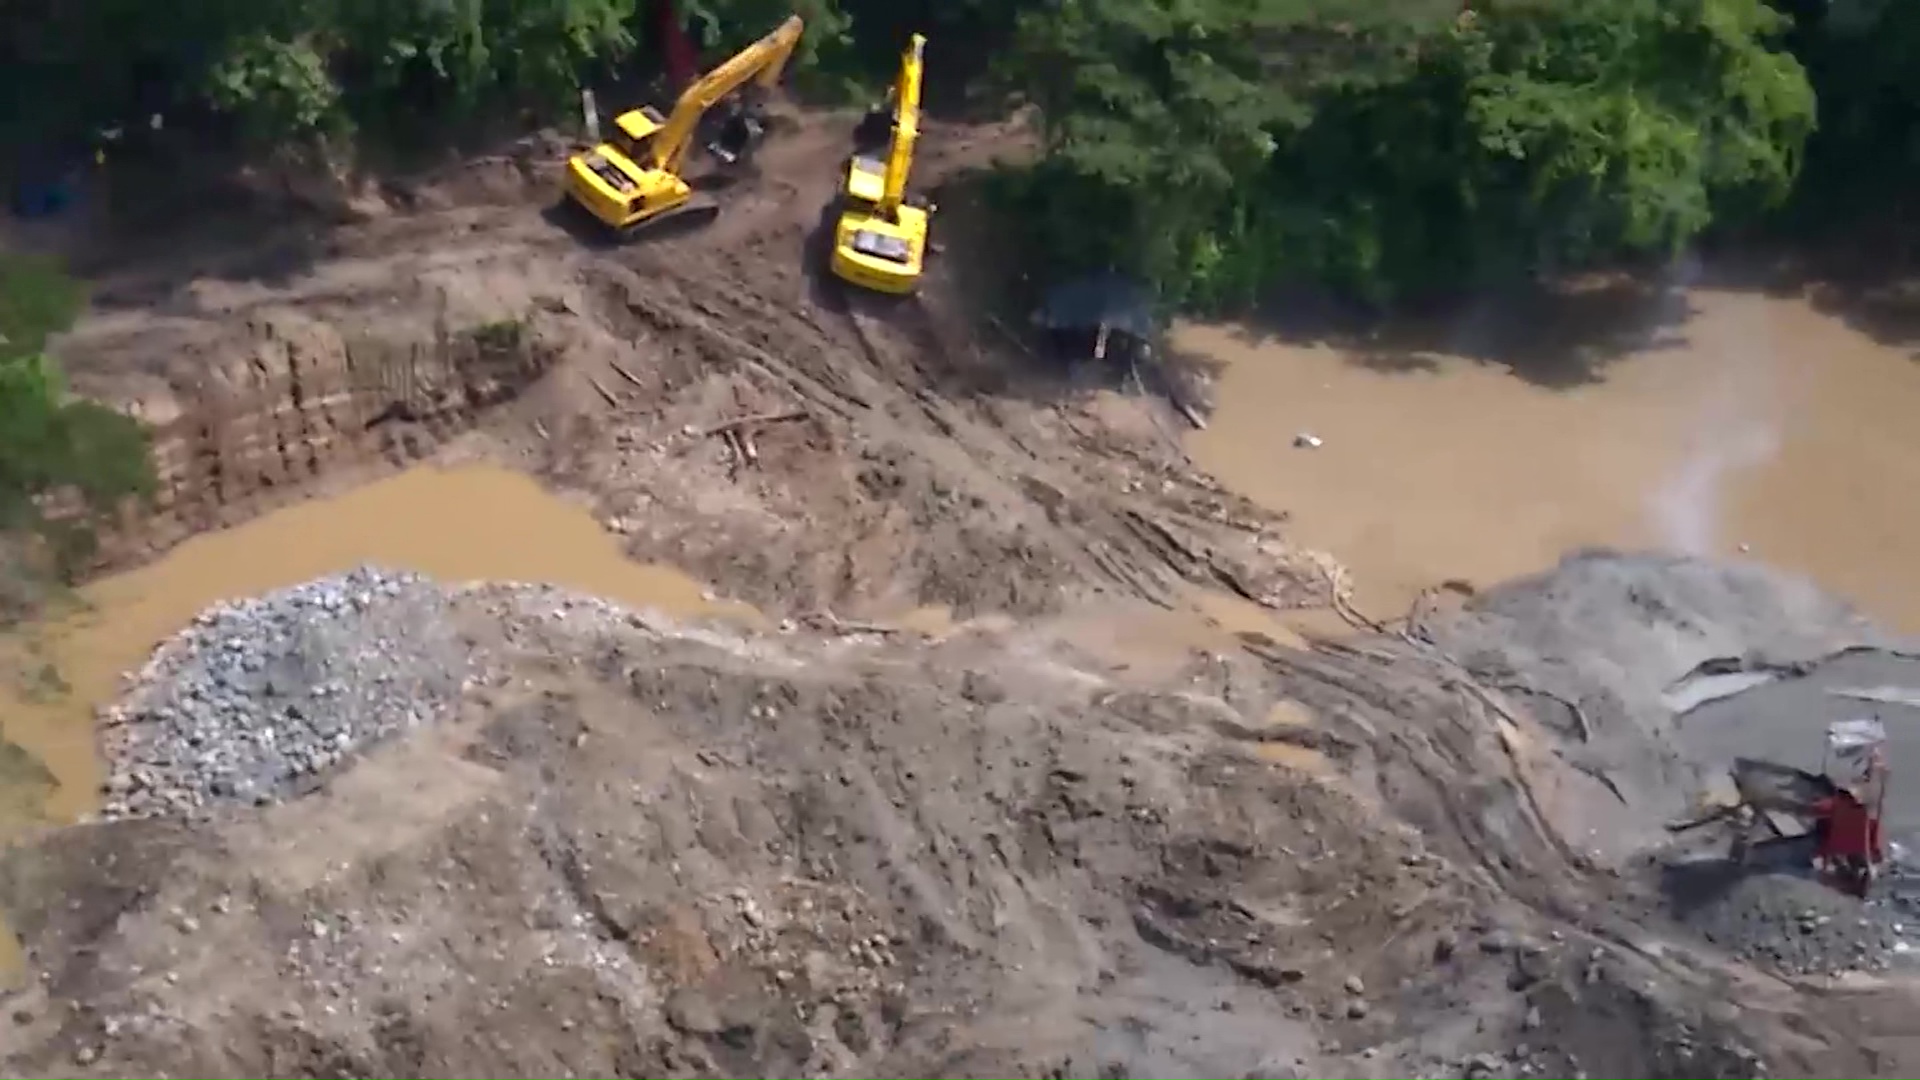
(1388, 145)
(52, 445)
(1221, 147)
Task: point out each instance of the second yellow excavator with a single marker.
(880, 241)
(633, 180)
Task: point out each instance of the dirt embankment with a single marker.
(647, 849)
(954, 469)
(631, 847)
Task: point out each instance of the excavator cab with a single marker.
(880, 239)
(634, 132)
(633, 180)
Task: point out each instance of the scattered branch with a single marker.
(613, 400)
(627, 375)
(754, 421)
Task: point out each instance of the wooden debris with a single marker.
(627, 375)
(612, 400)
(754, 421)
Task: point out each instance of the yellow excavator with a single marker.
(880, 242)
(633, 180)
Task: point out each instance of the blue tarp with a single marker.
(44, 198)
(1111, 300)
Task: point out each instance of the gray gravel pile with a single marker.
(1612, 634)
(258, 698)
(1799, 926)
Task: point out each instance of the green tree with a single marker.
(49, 443)
(1222, 146)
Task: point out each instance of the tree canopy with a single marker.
(1217, 147)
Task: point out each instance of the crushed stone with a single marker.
(258, 698)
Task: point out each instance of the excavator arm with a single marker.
(764, 59)
(880, 240)
(906, 126)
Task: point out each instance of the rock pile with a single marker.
(1799, 926)
(258, 698)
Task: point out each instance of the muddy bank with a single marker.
(641, 848)
(702, 397)
(465, 522)
(1484, 445)
(823, 460)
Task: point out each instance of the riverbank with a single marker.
(1716, 422)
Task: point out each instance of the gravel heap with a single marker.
(257, 698)
(1801, 927)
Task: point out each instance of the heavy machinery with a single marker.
(634, 179)
(1838, 812)
(880, 240)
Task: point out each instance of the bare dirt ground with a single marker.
(645, 848)
(934, 452)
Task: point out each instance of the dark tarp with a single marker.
(1111, 301)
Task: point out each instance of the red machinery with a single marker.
(683, 61)
(1850, 843)
(1839, 808)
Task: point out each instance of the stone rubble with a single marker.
(257, 699)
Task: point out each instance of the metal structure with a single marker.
(1840, 809)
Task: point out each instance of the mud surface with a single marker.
(643, 847)
(651, 849)
(1698, 413)
(1091, 817)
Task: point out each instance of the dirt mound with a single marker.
(1795, 924)
(648, 849)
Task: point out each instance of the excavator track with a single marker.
(696, 213)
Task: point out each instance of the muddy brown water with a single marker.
(457, 524)
(1755, 425)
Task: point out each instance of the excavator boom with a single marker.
(632, 180)
(764, 59)
(906, 126)
(880, 242)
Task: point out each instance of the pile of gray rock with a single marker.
(259, 698)
(1800, 926)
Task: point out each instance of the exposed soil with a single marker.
(842, 847)
(945, 458)
(649, 850)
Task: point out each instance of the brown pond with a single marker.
(1752, 425)
(461, 524)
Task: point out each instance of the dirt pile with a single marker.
(1795, 924)
(1607, 650)
(651, 849)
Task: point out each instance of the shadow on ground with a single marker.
(1868, 278)
(1554, 336)
(1697, 884)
